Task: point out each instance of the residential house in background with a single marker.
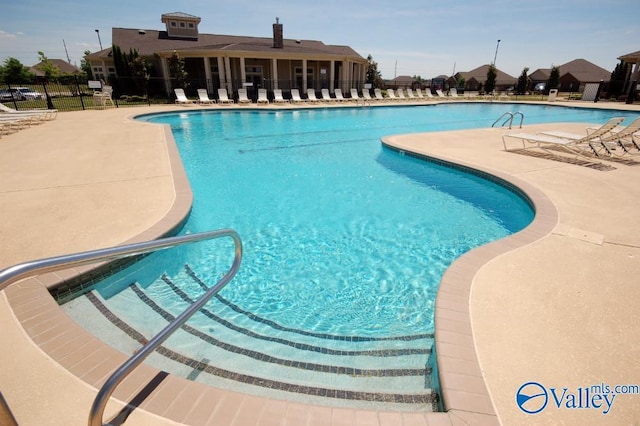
(476, 78)
(573, 75)
(62, 66)
(215, 61)
(401, 82)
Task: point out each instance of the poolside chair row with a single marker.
(311, 96)
(610, 139)
(12, 120)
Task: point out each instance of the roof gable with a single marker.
(585, 71)
(150, 42)
(480, 74)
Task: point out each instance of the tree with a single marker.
(523, 82)
(373, 75)
(14, 72)
(139, 70)
(86, 66)
(461, 82)
(554, 79)
(46, 66)
(490, 84)
(177, 70)
(618, 77)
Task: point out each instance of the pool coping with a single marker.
(457, 358)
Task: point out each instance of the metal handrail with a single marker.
(509, 119)
(25, 270)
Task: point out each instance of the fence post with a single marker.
(49, 102)
(79, 92)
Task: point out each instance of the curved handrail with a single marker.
(521, 114)
(21, 271)
(510, 115)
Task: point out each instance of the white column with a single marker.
(274, 72)
(227, 72)
(221, 72)
(304, 75)
(164, 64)
(332, 76)
(207, 74)
(347, 76)
(243, 71)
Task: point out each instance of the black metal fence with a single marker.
(76, 93)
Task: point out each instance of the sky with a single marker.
(408, 37)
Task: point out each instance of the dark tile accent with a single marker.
(421, 398)
(297, 345)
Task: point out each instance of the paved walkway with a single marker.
(561, 311)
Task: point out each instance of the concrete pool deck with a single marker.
(559, 310)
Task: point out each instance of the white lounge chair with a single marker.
(355, 96)
(223, 97)
(277, 96)
(262, 96)
(339, 97)
(378, 94)
(453, 92)
(326, 96)
(400, 95)
(579, 147)
(203, 97)
(295, 96)
(410, 94)
(242, 97)
(366, 95)
(623, 138)
(609, 137)
(440, 94)
(311, 95)
(47, 114)
(392, 95)
(181, 98)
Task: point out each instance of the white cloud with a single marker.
(9, 36)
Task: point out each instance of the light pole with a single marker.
(494, 56)
(100, 41)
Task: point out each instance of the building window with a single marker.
(182, 25)
(298, 79)
(254, 75)
(112, 70)
(174, 24)
(97, 69)
(191, 26)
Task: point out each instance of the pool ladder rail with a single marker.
(509, 118)
(25, 270)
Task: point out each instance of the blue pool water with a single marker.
(341, 235)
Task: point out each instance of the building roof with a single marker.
(180, 15)
(584, 71)
(150, 42)
(541, 74)
(631, 57)
(63, 66)
(480, 74)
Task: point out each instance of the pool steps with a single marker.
(238, 350)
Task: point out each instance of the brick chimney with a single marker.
(277, 35)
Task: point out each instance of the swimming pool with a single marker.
(336, 231)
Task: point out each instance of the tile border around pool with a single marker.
(462, 384)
